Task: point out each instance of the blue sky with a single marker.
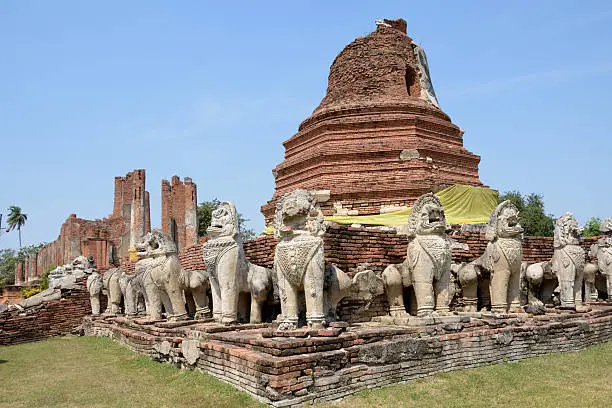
(92, 90)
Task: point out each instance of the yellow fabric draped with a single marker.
(462, 205)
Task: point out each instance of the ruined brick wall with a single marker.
(55, 318)
(107, 240)
(179, 211)
(10, 294)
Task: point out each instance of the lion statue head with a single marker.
(567, 231)
(224, 221)
(297, 212)
(605, 228)
(427, 217)
(80, 262)
(156, 242)
(504, 222)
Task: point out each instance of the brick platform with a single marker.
(287, 371)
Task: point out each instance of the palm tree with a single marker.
(16, 219)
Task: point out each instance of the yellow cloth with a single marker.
(462, 205)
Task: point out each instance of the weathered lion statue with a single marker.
(602, 250)
(161, 276)
(428, 264)
(568, 261)
(298, 259)
(501, 261)
(231, 275)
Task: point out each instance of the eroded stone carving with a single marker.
(501, 259)
(46, 295)
(65, 276)
(298, 259)
(112, 288)
(427, 266)
(568, 261)
(539, 283)
(602, 250)
(231, 275)
(195, 284)
(134, 295)
(590, 276)
(94, 287)
(161, 276)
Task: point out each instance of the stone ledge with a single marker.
(289, 371)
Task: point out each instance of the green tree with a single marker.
(534, 220)
(8, 262)
(205, 210)
(16, 219)
(28, 250)
(591, 228)
(9, 259)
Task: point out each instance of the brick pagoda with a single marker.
(378, 140)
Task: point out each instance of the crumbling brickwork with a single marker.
(107, 240)
(374, 140)
(292, 371)
(179, 211)
(55, 318)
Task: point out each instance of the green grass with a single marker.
(96, 372)
(573, 380)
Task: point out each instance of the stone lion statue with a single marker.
(428, 264)
(501, 260)
(159, 267)
(231, 275)
(602, 250)
(298, 259)
(568, 261)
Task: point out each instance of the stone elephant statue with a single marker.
(602, 250)
(134, 295)
(195, 284)
(95, 285)
(112, 287)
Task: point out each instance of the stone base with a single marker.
(286, 371)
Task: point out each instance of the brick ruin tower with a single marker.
(179, 211)
(379, 139)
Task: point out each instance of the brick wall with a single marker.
(54, 318)
(179, 211)
(286, 372)
(10, 294)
